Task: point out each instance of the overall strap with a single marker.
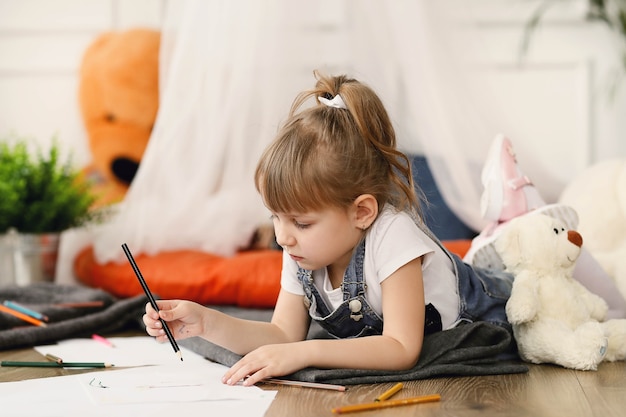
(353, 284)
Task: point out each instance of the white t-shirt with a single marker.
(392, 241)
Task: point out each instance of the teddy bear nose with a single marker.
(575, 237)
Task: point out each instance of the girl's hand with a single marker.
(184, 318)
(265, 362)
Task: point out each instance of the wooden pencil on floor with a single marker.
(22, 316)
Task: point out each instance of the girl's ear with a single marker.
(366, 209)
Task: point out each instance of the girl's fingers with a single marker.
(151, 323)
(168, 304)
(167, 310)
(249, 373)
(151, 312)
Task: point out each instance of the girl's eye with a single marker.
(300, 225)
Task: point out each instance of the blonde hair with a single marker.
(326, 157)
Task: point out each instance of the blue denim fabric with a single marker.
(354, 317)
(482, 293)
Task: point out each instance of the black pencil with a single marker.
(56, 364)
(151, 299)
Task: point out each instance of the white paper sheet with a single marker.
(190, 388)
(127, 351)
(166, 383)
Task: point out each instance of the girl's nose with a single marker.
(283, 238)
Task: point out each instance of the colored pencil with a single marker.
(22, 316)
(390, 392)
(304, 384)
(384, 404)
(102, 340)
(152, 300)
(18, 307)
(57, 364)
(54, 358)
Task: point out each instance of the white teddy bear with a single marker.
(555, 319)
(598, 194)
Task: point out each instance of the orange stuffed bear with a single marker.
(119, 98)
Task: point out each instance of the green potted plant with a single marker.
(40, 197)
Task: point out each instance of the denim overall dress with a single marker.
(482, 294)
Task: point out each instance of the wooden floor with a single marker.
(544, 391)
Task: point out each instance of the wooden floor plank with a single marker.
(606, 389)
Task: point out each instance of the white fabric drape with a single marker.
(419, 66)
(219, 106)
(229, 71)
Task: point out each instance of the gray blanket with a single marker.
(65, 322)
(472, 349)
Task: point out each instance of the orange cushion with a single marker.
(459, 247)
(247, 279)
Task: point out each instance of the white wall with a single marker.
(41, 47)
(557, 95)
(554, 97)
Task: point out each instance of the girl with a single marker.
(355, 251)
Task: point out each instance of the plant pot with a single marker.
(28, 258)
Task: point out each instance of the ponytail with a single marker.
(341, 147)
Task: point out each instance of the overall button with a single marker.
(355, 310)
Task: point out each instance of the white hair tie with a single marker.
(336, 102)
